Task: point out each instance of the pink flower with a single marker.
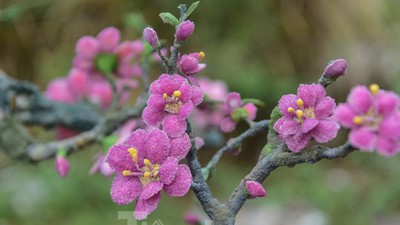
(255, 189)
(58, 91)
(211, 114)
(374, 119)
(185, 30)
(189, 64)
(235, 112)
(170, 103)
(146, 164)
(306, 116)
(104, 54)
(62, 166)
(150, 35)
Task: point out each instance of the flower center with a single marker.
(147, 173)
(173, 102)
(106, 63)
(301, 112)
(370, 118)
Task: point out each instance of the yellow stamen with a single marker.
(146, 174)
(146, 162)
(374, 88)
(126, 173)
(290, 110)
(177, 94)
(156, 173)
(358, 120)
(300, 102)
(299, 113)
(165, 96)
(133, 153)
(202, 55)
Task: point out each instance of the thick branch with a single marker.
(282, 157)
(27, 104)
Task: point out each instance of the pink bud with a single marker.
(184, 30)
(255, 189)
(335, 69)
(87, 47)
(108, 38)
(150, 36)
(78, 82)
(192, 219)
(188, 65)
(199, 142)
(251, 110)
(62, 166)
(58, 91)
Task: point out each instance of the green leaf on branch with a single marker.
(273, 139)
(191, 9)
(106, 63)
(62, 152)
(257, 102)
(108, 142)
(169, 18)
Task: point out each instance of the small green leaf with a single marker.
(253, 100)
(191, 9)
(106, 63)
(169, 18)
(108, 142)
(62, 152)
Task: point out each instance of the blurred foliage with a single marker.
(262, 49)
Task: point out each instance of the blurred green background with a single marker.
(262, 49)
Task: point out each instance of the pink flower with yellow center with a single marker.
(374, 119)
(170, 103)
(306, 116)
(146, 164)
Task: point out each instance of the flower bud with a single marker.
(61, 165)
(335, 69)
(192, 219)
(185, 29)
(188, 65)
(255, 189)
(150, 35)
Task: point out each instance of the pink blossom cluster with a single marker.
(373, 116)
(235, 111)
(103, 54)
(306, 116)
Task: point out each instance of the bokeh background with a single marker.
(262, 49)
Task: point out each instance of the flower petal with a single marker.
(119, 159)
(125, 189)
(285, 102)
(345, 115)
(197, 95)
(185, 110)
(310, 94)
(324, 108)
(363, 139)
(174, 126)
(298, 142)
(145, 207)
(108, 38)
(325, 131)
(168, 170)
(308, 125)
(156, 103)
(157, 146)
(152, 118)
(360, 99)
(151, 189)
(181, 184)
(387, 102)
(180, 146)
(387, 147)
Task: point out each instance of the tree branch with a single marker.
(257, 127)
(281, 156)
